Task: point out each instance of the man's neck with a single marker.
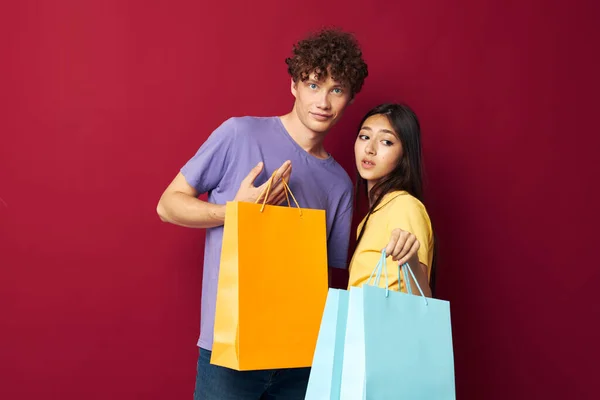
(311, 142)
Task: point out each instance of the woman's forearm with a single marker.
(420, 272)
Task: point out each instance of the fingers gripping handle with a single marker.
(286, 189)
(267, 190)
(402, 271)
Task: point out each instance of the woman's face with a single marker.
(377, 149)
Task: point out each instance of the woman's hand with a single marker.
(403, 246)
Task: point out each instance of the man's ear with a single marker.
(294, 87)
(351, 100)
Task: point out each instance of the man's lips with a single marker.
(320, 116)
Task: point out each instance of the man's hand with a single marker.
(403, 246)
(249, 193)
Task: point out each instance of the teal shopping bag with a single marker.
(326, 372)
(408, 351)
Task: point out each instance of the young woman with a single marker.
(388, 159)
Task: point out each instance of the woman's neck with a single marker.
(371, 196)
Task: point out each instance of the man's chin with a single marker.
(319, 127)
(324, 126)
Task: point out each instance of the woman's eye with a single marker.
(363, 137)
(387, 143)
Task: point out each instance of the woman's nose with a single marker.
(370, 149)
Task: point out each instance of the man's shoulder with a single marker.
(336, 184)
(249, 123)
(341, 175)
(238, 129)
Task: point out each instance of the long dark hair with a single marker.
(408, 174)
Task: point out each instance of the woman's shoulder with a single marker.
(409, 213)
(401, 198)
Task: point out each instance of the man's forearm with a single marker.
(184, 210)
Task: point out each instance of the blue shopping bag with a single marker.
(326, 372)
(408, 351)
(353, 364)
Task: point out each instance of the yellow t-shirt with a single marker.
(397, 210)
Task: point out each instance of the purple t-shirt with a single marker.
(226, 158)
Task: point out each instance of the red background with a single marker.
(103, 101)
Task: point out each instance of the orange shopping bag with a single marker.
(272, 286)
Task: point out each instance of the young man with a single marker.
(327, 70)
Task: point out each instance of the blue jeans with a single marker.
(220, 383)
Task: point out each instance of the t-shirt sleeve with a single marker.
(410, 215)
(337, 245)
(205, 170)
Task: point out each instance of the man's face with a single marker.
(320, 104)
